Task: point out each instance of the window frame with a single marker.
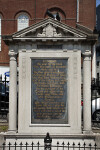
(22, 25)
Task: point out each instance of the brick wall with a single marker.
(36, 9)
(88, 13)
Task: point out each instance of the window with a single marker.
(56, 13)
(22, 22)
(0, 33)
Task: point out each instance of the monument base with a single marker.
(39, 139)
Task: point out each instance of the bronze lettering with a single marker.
(48, 87)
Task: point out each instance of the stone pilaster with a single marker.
(87, 92)
(13, 92)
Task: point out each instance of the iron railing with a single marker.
(48, 145)
(62, 146)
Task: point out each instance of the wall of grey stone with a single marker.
(97, 139)
(1, 139)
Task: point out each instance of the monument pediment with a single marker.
(51, 29)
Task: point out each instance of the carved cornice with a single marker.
(51, 30)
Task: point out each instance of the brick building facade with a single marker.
(71, 12)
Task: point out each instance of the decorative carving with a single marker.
(87, 55)
(13, 55)
(75, 67)
(49, 31)
(24, 68)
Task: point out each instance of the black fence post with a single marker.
(9, 145)
(73, 145)
(21, 146)
(79, 145)
(63, 145)
(47, 142)
(95, 146)
(32, 145)
(68, 145)
(38, 145)
(57, 145)
(84, 145)
(90, 146)
(26, 145)
(4, 146)
(15, 145)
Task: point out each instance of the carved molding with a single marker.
(75, 67)
(49, 31)
(24, 67)
(86, 55)
(12, 55)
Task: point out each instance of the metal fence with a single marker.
(49, 146)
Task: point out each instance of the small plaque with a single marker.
(49, 91)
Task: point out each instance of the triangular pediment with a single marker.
(49, 28)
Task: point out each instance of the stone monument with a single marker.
(49, 97)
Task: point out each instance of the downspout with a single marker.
(77, 10)
(35, 11)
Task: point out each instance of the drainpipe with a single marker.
(35, 11)
(77, 10)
